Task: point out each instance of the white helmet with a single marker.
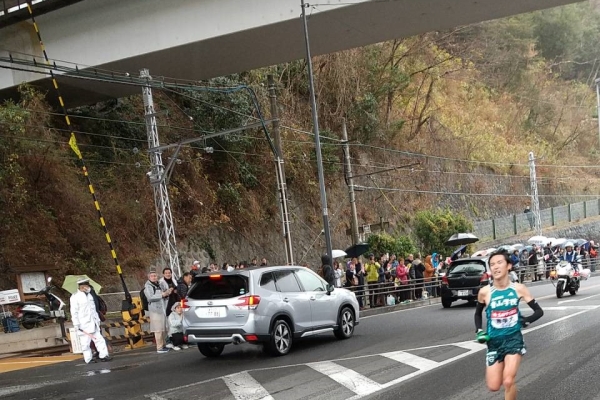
(569, 244)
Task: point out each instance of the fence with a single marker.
(515, 224)
(113, 300)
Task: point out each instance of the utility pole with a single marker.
(313, 106)
(164, 218)
(598, 107)
(281, 184)
(535, 201)
(350, 183)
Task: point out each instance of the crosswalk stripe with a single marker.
(352, 380)
(244, 387)
(420, 363)
(471, 345)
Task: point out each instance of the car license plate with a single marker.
(212, 312)
(463, 292)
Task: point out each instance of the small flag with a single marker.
(73, 144)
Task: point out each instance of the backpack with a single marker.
(103, 309)
(145, 299)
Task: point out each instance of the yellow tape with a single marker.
(91, 189)
(102, 221)
(108, 238)
(97, 205)
(29, 9)
(67, 119)
(113, 253)
(55, 83)
(119, 269)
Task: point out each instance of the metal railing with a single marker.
(511, 225)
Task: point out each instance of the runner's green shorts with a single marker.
(501, 346)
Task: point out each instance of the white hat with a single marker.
(196, 262)
(84, 281)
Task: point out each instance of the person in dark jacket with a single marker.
(327, 269)
(183, 285)
(419, 269)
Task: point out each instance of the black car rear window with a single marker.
(218, 287)
(471, 268)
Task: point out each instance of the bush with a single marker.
(433, 228)
(385, 243)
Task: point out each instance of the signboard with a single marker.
(9, 297)
(75, 341)
(32, 282)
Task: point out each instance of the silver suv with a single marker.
(272, 306)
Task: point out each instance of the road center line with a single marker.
(578, 299)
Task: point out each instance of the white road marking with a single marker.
(578, 299)
(563, 308)
(22, 388)
(423, 364)
(359, 384)
(245, 387)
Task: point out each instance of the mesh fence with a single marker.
(515, 224)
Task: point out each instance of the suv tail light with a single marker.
(485, 277)
(184, 304)
(250, 301)
(445, 280)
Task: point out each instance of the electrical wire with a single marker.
(469, 194)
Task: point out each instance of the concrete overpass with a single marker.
(200, 39)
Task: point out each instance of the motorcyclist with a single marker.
(570, 255)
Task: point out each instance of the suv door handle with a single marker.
(286, 299)
(312, 297)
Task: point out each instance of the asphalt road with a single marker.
(423, 353)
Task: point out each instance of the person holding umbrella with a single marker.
(87, 322)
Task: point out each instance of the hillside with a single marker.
(463, 108)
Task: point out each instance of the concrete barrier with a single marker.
(32, 339)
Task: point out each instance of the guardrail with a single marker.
(511, 225)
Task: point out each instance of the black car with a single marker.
(463, 280)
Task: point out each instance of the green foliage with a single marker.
(434, 228)
(385, 243)
(247, 175)
(229, 196)
(364, 114)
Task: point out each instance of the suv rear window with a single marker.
(469, 268)
(224, 287)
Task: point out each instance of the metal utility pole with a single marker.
(164, 218)
(313, 106)
(350, 183)
(535, 201)
(281, 184)
(598, 107)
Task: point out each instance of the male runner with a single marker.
(504, 321)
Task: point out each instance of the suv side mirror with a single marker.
(330, 288)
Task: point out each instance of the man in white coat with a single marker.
(87, 322)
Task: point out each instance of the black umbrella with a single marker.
(459, 239)
(357, 250)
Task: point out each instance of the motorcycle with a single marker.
(567, 279)
(32, 313)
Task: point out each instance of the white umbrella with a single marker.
(338, 253)
(538, 240)
(558, 242)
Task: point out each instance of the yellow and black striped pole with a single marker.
(126, 307)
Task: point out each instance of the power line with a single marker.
(470, 194)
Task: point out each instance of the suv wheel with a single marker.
(211, 349)
(280, 342)
(446, 303)
(345, 328)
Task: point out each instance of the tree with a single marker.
(385, 243)
(433, 228)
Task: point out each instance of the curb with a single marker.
(385, 309)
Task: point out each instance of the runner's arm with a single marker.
(481, 299)
(524, 293)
